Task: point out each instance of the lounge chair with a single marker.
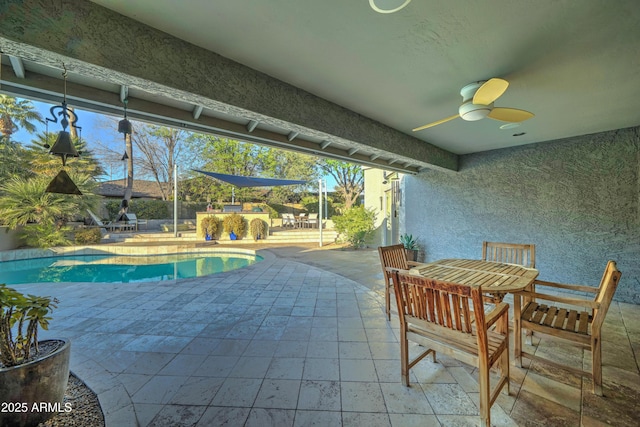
(312, 221)
(110, 226)
(288, 220)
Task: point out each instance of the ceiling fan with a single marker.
(477, 103)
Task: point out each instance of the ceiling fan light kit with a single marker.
(472, 112)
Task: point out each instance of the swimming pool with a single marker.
(121, 268)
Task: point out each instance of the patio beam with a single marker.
(96, 42)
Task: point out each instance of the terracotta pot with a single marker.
(32, 393)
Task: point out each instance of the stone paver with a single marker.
(299, 339)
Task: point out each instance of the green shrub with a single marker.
(235, 223)
(145, 209)
(356, 225)
(88, 236)
(310, 204)
(45, 235)
(273, 213)
(112, 207)
(210, 225)
(149, 209)
(258, 228)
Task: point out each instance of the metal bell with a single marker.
(63, 147)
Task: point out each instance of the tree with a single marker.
(43, 163)
(15, 114)
(349, 178)
(159, 149)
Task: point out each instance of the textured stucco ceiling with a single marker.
(575, 64)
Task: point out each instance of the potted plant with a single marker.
(258, 228)
(33, 374)
(410, 246)
(210, 226)
(234, 224)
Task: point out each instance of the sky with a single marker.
(97, 127)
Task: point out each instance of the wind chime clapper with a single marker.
(63, 146)
(125, 127)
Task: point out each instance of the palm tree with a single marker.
(15, 114)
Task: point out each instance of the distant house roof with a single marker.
(141, 189)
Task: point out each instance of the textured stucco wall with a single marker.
(577, 199)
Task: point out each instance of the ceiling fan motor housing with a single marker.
(468, 110)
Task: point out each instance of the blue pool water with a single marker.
(119, 268)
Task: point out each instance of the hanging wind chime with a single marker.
(63, 146)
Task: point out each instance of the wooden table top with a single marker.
(494, 277)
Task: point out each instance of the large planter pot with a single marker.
(32, 393)
(412, 254)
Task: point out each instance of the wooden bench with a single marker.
(449, 318)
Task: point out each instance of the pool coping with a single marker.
(34, 253)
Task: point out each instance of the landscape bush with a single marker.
(356, 225)
(88, 236)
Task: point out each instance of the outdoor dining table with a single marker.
(496, 278)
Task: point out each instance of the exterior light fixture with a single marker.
(63, 146)
(388, 6)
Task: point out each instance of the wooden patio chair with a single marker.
(449, 318)
(513, 253)
(578, 325)
(393, 256)
(523, 254)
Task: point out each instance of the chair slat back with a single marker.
(513, 253)
(393, 256)
(447, 305)
(607, 288)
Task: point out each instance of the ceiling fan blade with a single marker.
(436, 123)
(490, 91)
(512, 115)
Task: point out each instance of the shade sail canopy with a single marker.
(250, 181)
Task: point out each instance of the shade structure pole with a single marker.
(320, 209)
(326, 199)
(175, 200)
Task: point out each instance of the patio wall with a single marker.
(577, 199)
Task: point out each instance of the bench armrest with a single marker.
(499, 310)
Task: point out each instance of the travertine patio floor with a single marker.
(301, 339)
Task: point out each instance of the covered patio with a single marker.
(301, 339)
